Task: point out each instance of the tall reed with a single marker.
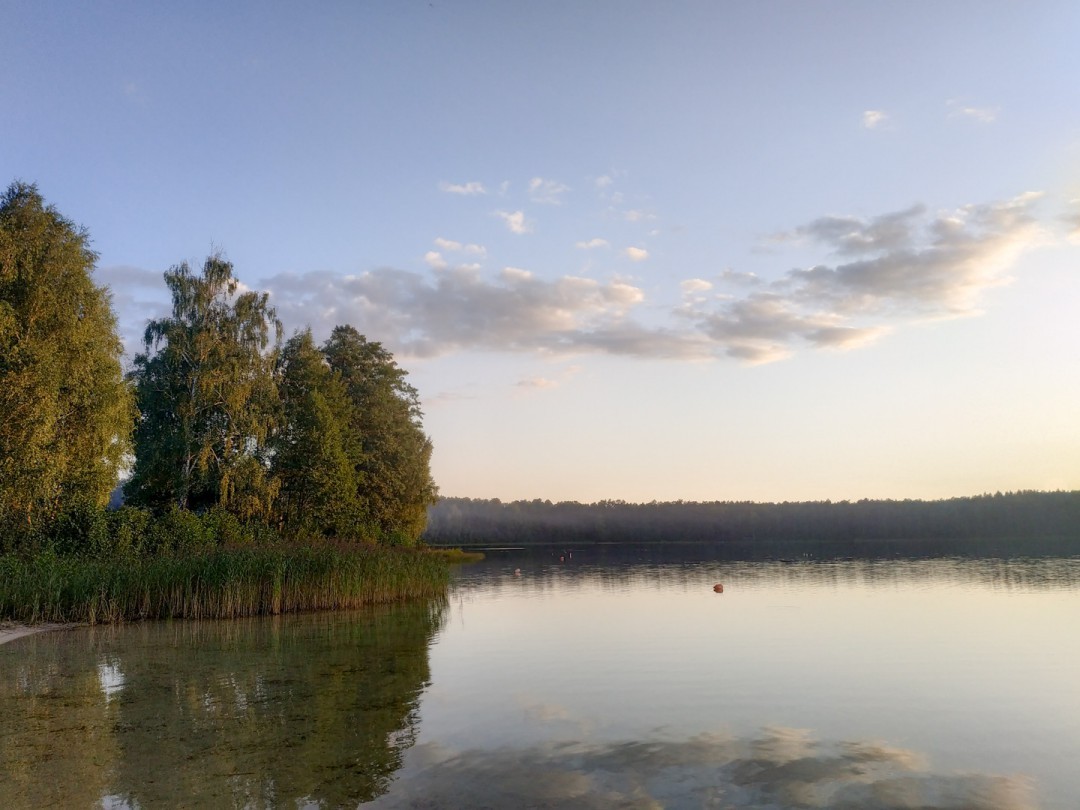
(216, 583)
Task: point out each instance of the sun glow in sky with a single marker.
(769, 251)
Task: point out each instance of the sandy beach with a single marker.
(9, 631)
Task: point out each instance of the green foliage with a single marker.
(316, 454)
(207, 396)
(67, 412)
(234, 439)
(213, 583)
(128, 529)
(395, 483)
(456, 556)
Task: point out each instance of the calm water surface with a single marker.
(605, 680)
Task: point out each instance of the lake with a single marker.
(609, 678)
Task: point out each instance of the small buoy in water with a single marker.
(718, 587)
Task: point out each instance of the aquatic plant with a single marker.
(456, 555)
(214, 583)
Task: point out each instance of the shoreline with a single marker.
(10, 631)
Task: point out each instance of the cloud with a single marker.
(591, 244)
(983, 115)
(636, 254)
(1072, 222)
(852, 236)
(872, 119)
(637, 215)
(735, 277)
(138, 295)
(695, 285)
(603, 181)
(454, 309)
(908, 262)
(467, 189)
(515, 221)
(875, 275)
(547, 712)
(548, 192)
(516, 274)
(781, 768)
(451, 246)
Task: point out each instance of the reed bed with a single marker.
(216, 583)
(457, 556)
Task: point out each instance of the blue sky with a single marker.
(626, 250)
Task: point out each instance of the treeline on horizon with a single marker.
(1017, 517)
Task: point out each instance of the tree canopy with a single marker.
(66, 408)
(215, 415)
(395, 482)
(314, 441)
(207, 395)
(316, 455)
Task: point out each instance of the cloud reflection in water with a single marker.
(780, 769)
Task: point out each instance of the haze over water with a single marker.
(607, 680)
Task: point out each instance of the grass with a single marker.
(215, 583)
(456, 555)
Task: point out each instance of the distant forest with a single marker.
(1017, 519)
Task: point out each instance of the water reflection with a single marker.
(780, 769)
(619, 568)
(312, 710)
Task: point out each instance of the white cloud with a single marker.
(548, 192)
(455, 309)
(636, 254)
(540, 383)
(603, 181)
(450, 245)
(592, 243)
(435, 260)
(1072, 221)
(695, 285)
(872, 119)
(447, 244)
(878, 274)
(637, 215)
(983, 115)
(467, 189)
(516, 274)
(907, 260)
(905, 266)
(515, 221)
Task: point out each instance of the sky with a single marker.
(692, 250)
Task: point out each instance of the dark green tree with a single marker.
(395, 484)
(316, 453)
(207, 397)
(66, 410)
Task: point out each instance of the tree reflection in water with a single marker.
(263, 712)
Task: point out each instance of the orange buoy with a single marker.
(718, 587)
